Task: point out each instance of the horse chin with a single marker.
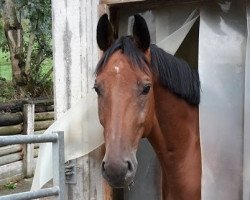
(121, 184)
(117, 181)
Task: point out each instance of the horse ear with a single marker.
(141, 33)
(104, 33)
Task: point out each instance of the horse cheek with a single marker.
(149, 119)
(101, 112)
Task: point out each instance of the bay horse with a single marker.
(145, 92)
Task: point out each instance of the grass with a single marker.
(5, 67)
(10, 185)
(7, 90)
(6, 71)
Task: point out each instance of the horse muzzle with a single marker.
(119, 173)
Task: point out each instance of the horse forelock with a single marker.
(128, 48)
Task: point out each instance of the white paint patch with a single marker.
(117, 69)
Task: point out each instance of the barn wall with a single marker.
(222, 109)
(75, 58)
(246, 163)
(222, 51)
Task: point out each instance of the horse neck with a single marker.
(175, 139)
(176, 126)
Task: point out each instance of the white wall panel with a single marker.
(246, 174)
(222, 46)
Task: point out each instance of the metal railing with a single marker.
(57, 139)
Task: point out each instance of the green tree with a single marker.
(27, 28)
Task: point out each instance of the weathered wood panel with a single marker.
(39, 132)
(69, 67)
(6, 159)
(97, 190)
(44, 116)
(10, 149)
(36, 151)
(11, 130)
(17, 106)
(153, 4)
(44, 108)
(10, 172)
(107, 191)
(7, 119)
(11, 107)
(42, 125)
(28, 160)
(45, 102)
(75, 58)
(67, 53)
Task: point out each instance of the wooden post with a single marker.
(75, 58)
(28, 160)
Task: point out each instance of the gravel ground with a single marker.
(22, 186)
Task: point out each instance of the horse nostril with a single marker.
(103, 167)
(130, 167)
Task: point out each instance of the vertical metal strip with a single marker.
(246, 162)
(58, 164)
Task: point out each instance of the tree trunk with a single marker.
(13, 33)
(29, 52)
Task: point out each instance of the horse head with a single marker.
(124, 85)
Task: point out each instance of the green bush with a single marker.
(7, 90)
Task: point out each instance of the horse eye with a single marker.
(146, 89)
(97, 90)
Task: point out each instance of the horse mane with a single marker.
(172, 72)
(176, 75)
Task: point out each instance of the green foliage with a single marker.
(10, 185)
(3, 41)
(38, 13)
(4, 58)
(1, 7)
(8, 90)
(35, 17)
(42, 81)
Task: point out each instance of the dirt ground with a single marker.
(22, 186)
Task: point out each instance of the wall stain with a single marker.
(67, 36)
